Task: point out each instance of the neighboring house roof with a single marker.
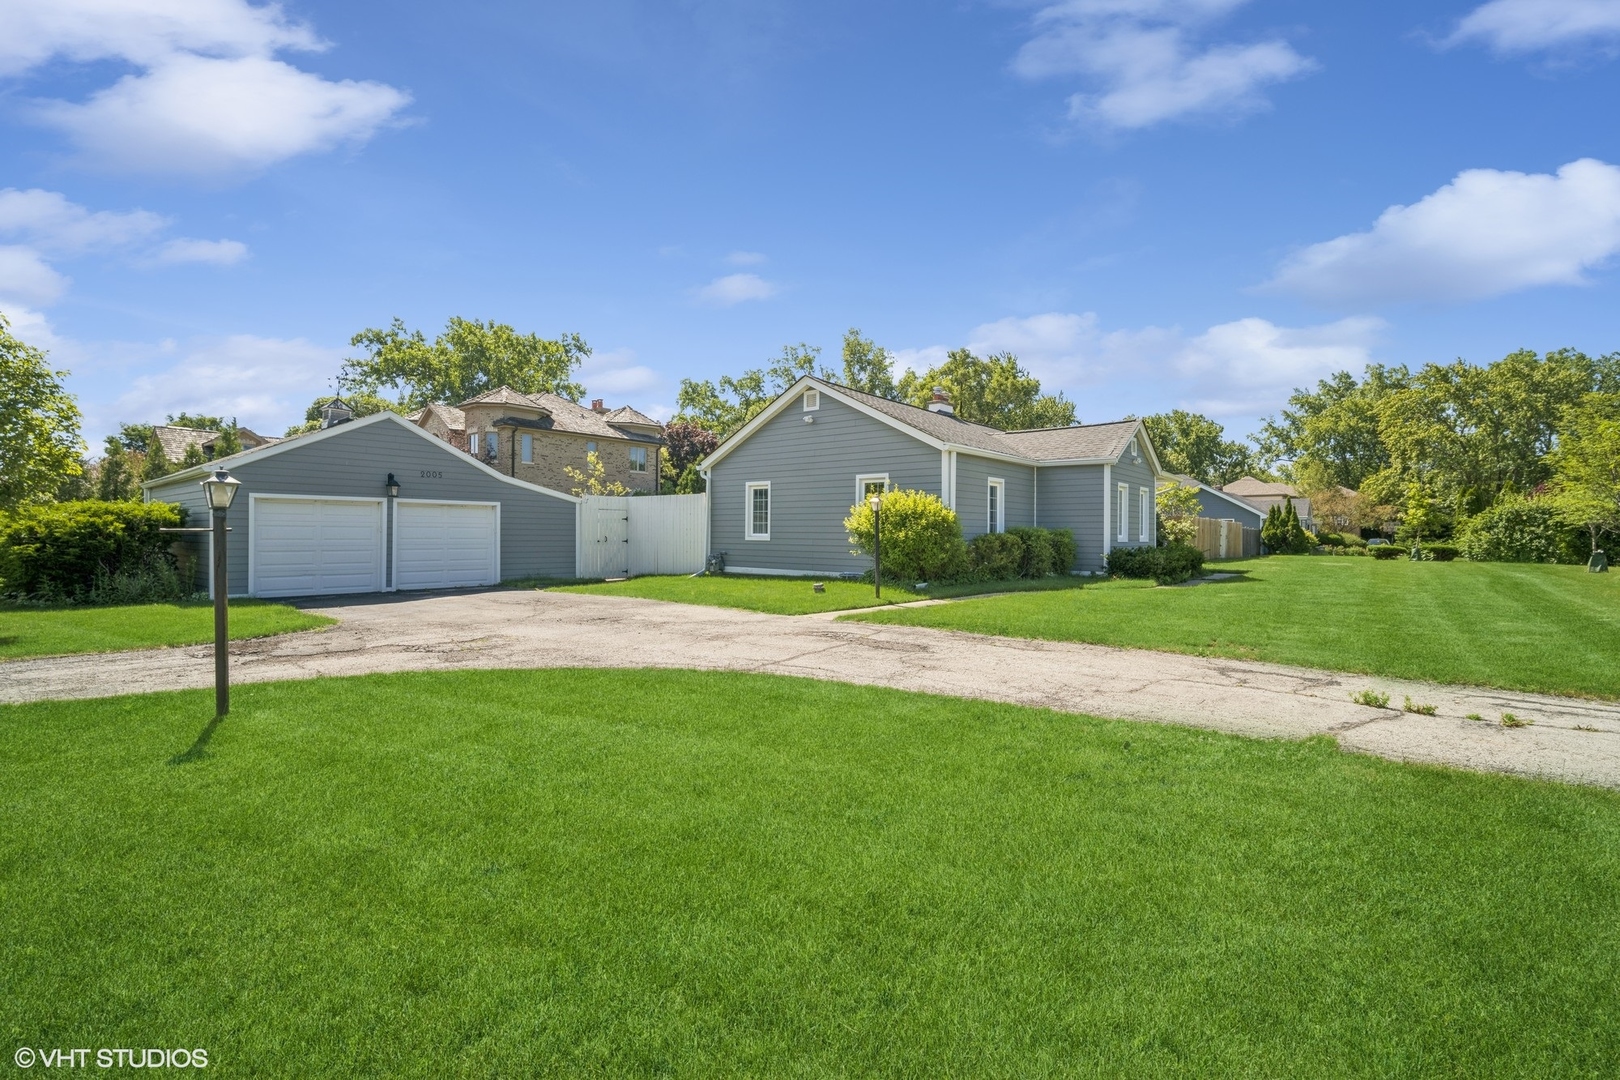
(1078, 443)
(624, 414)
(1218, 493)
(177, 440)
(450, 416)
(1248, 485)
(232, 461)
(572, 417)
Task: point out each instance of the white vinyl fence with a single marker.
(641, 534)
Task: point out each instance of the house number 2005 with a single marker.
(432, 474)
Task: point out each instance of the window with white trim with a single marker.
(870, 484)
(1122, 513)
(528, 449)
(472, 441)
(996, 507)
(812, 400)
(492, 444)
(638, 459)
(1143, 514)
(757, 508)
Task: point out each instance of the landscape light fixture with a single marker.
(392, 487)
(220, 487)
(877, 545)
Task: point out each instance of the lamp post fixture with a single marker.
(392, 487)
(877, 545)
(220, 487)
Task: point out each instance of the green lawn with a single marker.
(1524, 627)
(61, 631)
(793, 596)
(699, 875)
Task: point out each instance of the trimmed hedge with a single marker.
(1438, 552)
(1519, 529)
(1389, 551)
(61, 551)
(1168, 565)
(1020, 553)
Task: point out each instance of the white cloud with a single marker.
(1235, 370)
(745, 258)
(1484, 234)
(266, 383)
(616, 373)
(26, 278)
(214, 252)
(1519, 26)
(49, 221)
(209, 96)
(734, 289)
(1148, 62)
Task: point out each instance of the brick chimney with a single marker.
(597, 406)
(941, 402)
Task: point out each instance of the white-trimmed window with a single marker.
(1144, 515)
(812, 400)
(870, 484)
(1122, 513)
(492, 444)
(528, 449)
(757, 510)
(472, 441)
(638, 459)
(996, 507)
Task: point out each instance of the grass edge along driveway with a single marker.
(66, 631)
(1515, 626)
(793, 595)
(514, 873)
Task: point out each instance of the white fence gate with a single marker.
(642, 534)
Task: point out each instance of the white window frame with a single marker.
(869, 478)
(492, 444)
(995, 520)
(812, 400)
(640, 467)
(1122, 529)
(474, 440)
(528, 449)
(748, 510)
(1142, 508)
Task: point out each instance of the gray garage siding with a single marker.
(537, 530)
(1072, 498)
(1213, 506)
(811, 469)
(973, 492)
(1139, 476)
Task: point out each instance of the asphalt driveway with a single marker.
(1570, 739)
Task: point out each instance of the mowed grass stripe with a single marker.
(702, 874)
(29, 632)
(1550, 629)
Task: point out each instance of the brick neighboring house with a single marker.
(177, 440)
(1266, 495)
(535, 437)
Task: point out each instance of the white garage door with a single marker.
(445, 545)
(309, 547)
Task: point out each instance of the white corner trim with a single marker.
(1108, 505)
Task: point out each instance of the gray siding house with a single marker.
(781, 487)
(1217, 504)
(313, 515)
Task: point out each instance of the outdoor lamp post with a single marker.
(392, 487)
(877, 546)
(220, 488)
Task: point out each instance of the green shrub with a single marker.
(1438, 552)
(156, 581)
(1517, 529)
(1037, 561)
(1388, 551)
(1340, 540)
(1371, 698)
(922, 538)
(1064, 549)
(996, 556)
(57, 551)
(1168, 565)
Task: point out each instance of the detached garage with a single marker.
(314, 515)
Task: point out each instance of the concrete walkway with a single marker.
(526, 629)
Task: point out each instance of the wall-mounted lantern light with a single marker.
(392, 487)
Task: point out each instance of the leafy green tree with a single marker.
(193, 456)
(117, 478)
(725, 407)
(39, 425)
(991, 390)
(228, 442)
(593, 479)
(1196, 446)
(1179, 510)
(1334, 428)
(136, 437)
(868, 367)
(1586, 466)
(1274, 531)
(197, 420)
(469, 358)
(363, 404)
(157, 462)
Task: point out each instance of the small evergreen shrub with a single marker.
(922, 538)
(1037, 561)
(1438, 552)
(58, 552)
(1388, 551)
(1064, 549)
(996, 556)
(1168, 565)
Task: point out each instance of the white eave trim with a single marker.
(248, 456)
(1236, 501)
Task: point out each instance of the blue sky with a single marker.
(1155, 203)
